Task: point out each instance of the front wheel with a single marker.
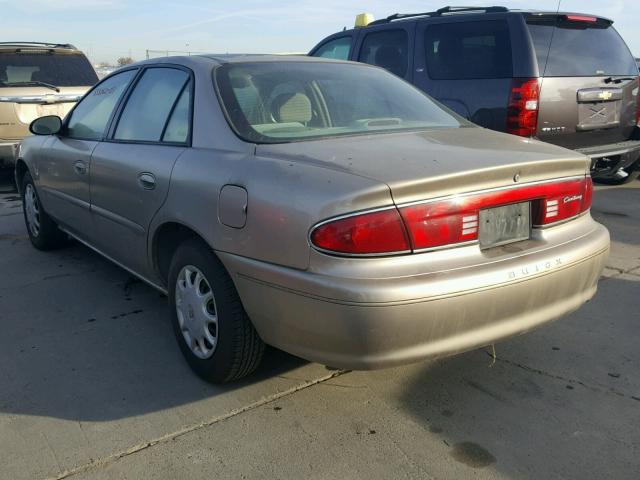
(42, 229)
(213, 331)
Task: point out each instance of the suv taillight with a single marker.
(522, 111)
(451, 221)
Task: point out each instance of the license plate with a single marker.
(592, 116)
(506, 224)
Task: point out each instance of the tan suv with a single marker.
(37, 79)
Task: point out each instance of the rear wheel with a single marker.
(213, 331)
(43, 231)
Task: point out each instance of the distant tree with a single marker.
(122, 61)
(104, 64)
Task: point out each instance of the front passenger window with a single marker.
(90, 117)
(337, 49)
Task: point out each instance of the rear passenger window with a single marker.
(387, 49)
(149, 106)
(337, 48)
(177, 130)
(469, 50)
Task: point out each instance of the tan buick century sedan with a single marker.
(326, 208)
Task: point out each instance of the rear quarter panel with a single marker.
(285, 199)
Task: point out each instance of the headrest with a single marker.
(292, 107)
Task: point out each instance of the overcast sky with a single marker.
(108, 29)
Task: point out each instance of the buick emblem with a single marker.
(516, 177)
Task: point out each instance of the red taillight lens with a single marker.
(522, 111)
(581, 18)
(436, 224)
(564, 203)
(366, 234)
(447, 222)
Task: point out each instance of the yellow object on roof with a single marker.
(364, 19)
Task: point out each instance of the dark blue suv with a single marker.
(564, 78)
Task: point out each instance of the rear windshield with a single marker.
(580, 49)
(282, 102)
(61, 70)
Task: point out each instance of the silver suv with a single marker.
(37, 79)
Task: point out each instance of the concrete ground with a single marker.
(92, 385)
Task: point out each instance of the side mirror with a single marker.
(49, 125)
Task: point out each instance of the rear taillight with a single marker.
(364, 234)
(522, 111)
(446, 222)
(563, 203)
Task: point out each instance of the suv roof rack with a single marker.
(38, 44)
(439, 13)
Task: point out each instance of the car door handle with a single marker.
(80, 167)
(147, 181)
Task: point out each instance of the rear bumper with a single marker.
(380, 322)
(8, 153)
(606, 160)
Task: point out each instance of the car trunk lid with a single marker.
(422, 165)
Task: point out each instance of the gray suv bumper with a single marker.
(607, 160)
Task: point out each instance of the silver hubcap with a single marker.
(32, 210)
(196, 311)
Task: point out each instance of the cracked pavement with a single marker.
(92, 385)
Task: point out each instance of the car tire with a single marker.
(42, 229)
(211, 326)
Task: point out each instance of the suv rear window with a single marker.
(579, 49)
(469, 50)
(61, 70)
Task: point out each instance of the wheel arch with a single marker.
(166, 240)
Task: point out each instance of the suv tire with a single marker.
(211, 326)
(633, 173)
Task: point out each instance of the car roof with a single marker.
(21, 46)
(222, 59)
(472, 13)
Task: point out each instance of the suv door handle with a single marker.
(147, 181)
(80, 167)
